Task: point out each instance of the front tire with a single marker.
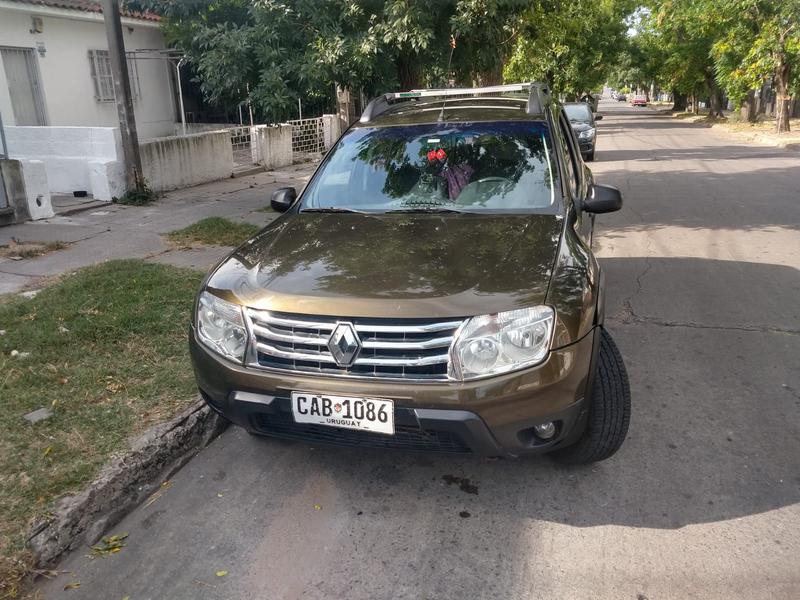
(610, 410)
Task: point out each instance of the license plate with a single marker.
(363, 414)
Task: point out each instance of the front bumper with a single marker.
(586, 146)
(489, 417)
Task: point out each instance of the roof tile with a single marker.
(90, 6)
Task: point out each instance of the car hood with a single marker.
(393, 265)
(580, 125)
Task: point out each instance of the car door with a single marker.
(578, 178)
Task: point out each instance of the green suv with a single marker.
(432, 288)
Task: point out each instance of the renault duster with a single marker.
(432, 288)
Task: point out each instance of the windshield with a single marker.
(464, 167)
(578, 113)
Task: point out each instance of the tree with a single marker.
(572, 44)
(274, 52)
(762, 43)
(640, 62)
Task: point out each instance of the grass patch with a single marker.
(140, 197)
(763, 125)
(108, 355)
(21, 250)
(215, 231)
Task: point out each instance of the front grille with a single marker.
(390, 348)
(406, 437)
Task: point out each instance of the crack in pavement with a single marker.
(634, 319)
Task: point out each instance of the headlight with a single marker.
(503, 342)
(220, 326)
(587, 134)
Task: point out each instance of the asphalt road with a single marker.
(703, 500)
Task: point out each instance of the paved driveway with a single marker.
(703, 500)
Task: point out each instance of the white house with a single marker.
(54, 67)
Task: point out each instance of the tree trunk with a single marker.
(408, 71)
(782, 72)
(714, 98)
(748, 111)
(493, 77)
(678, 101)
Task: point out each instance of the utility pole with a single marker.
(122, 92)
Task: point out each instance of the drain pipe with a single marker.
(4, 154)
(178, 66)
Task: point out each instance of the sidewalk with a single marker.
(116, 231)
(761, 133)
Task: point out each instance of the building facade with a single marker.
(54, 67)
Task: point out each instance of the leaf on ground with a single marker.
(318, 507)
(47, 450)
(158, 493)
(72, 585)
(221, 573)
(110, 544)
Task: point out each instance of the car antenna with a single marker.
(447, 72)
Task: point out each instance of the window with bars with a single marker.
(104, 80)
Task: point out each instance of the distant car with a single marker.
(639, 100)
(582, 119)
(621, 97)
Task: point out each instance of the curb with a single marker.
(244, 172)
(124, 483)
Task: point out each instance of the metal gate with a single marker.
(308, 135)
(245, 148)
(24, 85)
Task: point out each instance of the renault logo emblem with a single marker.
(344, 344)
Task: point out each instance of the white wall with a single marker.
(66, 71)
(182, 161)
(37, 189)
(75, 158)
(274, 145)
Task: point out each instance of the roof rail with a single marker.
(538, 97)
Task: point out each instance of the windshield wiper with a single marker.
(427, 210)
(333, 209)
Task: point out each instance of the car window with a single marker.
(578, 112)
(569, 156)
(469, 167)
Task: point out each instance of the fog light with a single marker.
(545, 431)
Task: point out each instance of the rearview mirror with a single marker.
(602, 199)
(598, 117)
(283, 198)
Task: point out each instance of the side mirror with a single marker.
(598, 117)
(602, 199)
(283, 198)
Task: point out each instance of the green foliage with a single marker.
(272, 53)
(573, 44)
(705, 46)
(761, 38)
